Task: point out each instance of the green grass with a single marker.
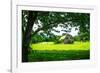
(48, 51)
(52, 46)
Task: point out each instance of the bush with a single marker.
(57, 42)
(76, 38)
(82, 37)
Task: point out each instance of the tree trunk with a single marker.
(27, 35)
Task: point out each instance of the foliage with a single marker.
(82, 37)
(42, 37)
(77, 38)
(46, 21)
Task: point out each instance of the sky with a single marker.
(73, 31)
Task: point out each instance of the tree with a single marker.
(46, 21)
(27, 35)
(83, 21)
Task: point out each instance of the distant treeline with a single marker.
(55, 38)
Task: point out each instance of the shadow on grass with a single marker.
(44, 55)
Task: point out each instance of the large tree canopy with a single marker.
(47, 20)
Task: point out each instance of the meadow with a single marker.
(49, 51)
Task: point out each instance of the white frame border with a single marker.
(17, 66)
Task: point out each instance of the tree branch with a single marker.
(44, 27)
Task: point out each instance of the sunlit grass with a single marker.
(49, 51)
(52, 46)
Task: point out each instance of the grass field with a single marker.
(48, 51)
(52, 46)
